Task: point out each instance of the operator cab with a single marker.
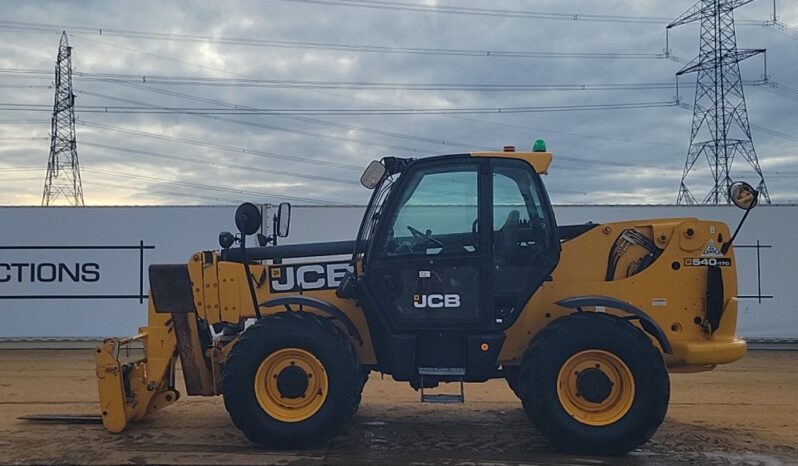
(452, 248)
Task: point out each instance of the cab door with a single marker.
(428, 266)
(526, 244)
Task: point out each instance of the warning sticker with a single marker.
(711, 250)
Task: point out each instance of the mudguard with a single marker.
(322, 306)
(648, 324)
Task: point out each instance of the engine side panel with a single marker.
(672, 289)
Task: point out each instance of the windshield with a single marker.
(370, 217)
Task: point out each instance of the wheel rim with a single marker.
(291, 385)
(595, 387)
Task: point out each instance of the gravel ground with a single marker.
(746, 413)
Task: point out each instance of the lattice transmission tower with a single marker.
(720, 130)
(63, 170)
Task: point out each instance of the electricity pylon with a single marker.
(720, 130)
(63, 170)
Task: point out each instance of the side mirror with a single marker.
(248, 219)
(283, 220)
(226, 239)
(372, 175)
(743, 195)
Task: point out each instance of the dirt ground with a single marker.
(746, 413)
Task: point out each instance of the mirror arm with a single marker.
(248, 271)
(274, 230)
(725, 247)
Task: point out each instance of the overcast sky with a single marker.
(601, 156)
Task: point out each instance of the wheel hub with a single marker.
(292, 382)
(593, 385)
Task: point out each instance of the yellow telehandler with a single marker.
(459, 273)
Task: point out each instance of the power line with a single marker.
(523, 14)
(773, 132)
(781, 89)
(214, 188)
(762, 129)
(166, 193)
(519, 14)
(786, 28)
(338, 111)
(138, 79)
(239, 150)
(19, 180)
(20, 169)
(144, 79)
(317, 121)
(613, 163)
(24, 86)
(24, 122)
(150, 35)
(457, 117)
(248, 168)
(371, 85)
(562, 158)
(144, 107)
(559, 158)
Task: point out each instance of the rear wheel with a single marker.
(594, 383)
(291, 380)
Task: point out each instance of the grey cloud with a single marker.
(655, 138)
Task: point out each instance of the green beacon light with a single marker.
(539, 146)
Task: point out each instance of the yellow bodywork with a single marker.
(540, 161)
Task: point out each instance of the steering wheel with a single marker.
(425, 237)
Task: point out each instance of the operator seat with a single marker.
(507, 239)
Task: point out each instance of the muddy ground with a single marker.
(746, 412)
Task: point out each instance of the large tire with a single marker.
(296, 410)
(512, 376)
(624, 384)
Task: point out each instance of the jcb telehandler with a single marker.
(459, 273)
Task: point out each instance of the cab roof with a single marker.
(540, 161)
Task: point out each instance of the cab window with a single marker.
(519, 226)
(437, 214)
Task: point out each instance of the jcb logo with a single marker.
(436, 301)
(324, 276)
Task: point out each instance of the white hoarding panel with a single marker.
(82, 272)
(67, 272)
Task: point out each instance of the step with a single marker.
(442, 371)
(442, 398)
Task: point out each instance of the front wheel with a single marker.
(594, 383)
(291, 380)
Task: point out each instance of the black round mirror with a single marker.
(743, 195)
(248, 218)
